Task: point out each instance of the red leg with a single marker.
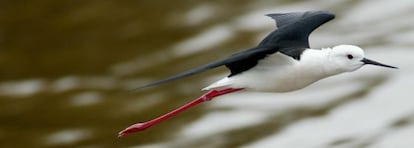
(206, 97)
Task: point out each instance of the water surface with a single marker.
(67, 68)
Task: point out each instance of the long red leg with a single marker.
(206, 97)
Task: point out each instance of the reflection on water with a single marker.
(67, 68)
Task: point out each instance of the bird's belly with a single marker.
(282, 80)
(285, 83)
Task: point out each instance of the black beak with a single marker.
(368, 61)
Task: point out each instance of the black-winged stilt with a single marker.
(282, 62)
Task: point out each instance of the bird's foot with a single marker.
(132, 129)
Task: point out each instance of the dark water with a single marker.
(66, 67)
(67, 52)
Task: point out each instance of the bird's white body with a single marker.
(281, 73)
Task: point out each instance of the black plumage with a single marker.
(290, 38)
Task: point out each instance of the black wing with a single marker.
(291, 38)
(232, 59)
(292, 35)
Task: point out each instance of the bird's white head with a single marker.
(348, 58)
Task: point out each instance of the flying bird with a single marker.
(283, 61)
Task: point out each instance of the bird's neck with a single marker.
(329, 65)
(317, 63)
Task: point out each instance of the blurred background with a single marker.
(66, 68)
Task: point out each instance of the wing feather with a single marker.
(228, 61)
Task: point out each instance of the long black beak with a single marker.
(368, 61)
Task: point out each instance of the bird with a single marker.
(282, 62)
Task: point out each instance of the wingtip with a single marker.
(271, 15)
(140, 88)
(315, 11)
(328, 13)
(147, 86)
(323, 12)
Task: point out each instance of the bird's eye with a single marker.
(350, 56)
